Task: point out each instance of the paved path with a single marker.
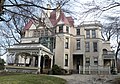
(88, 79)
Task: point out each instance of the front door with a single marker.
(78, 64)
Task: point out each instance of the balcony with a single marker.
(109, 55)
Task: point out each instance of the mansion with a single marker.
(56, 40)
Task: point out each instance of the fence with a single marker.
(94, 70)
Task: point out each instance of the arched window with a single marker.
(104, 51)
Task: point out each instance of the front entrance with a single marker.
(108, 62)
(78, 63)
(45, 64)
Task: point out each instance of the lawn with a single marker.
(30, 79)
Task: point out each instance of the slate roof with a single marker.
(54, 21)
(28, 25)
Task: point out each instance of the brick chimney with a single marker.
(58, 10)
(48, 11)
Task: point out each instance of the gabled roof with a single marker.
(28, 25)
(71, 20)
(62, 17)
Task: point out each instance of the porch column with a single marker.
(84, 61)
(39, 60)
(7, 58)
(111, 63)
(51, 62)
(16, 59)
(44, 61)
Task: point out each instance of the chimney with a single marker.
(48, 11)
(58, 10)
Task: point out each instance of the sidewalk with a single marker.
(88, 79)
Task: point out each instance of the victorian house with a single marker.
(56, 40)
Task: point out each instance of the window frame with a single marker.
(87, 33)
(95, 46)
(87, 46)
(61, 28)
(66, 60)
(87, 61)
(94, 33)
(67, 29)
(36, 33)
(78, 31)
(95, 60)
(66, 43)
(78, 43)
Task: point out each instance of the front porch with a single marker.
(37, 59)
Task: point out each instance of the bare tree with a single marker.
(19, 7)
(100, 6)
(14, 14)
(112, 30)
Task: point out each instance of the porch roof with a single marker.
(78, 53)
(29, 46)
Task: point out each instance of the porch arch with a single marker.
(105, 51)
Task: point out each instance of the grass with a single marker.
(30, 79)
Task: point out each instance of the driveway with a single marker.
(88, 79)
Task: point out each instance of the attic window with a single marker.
(67, 29)
(61, 28)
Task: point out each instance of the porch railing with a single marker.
(109, 55)
(94, 70)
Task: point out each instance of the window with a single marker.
(36, 33)
(66, 43)
(67, 29)
(46, 32)
(95, 47)
(54, 43)
(104, 51)
(78, 31)
(66, 59)
(42, 32)
(55, 31)
(87, 33)
(78, 44)
(93, 34)
(87, 47)
(95, 61)
(61, 28)
(87, 61)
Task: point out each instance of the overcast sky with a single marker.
(79, 7)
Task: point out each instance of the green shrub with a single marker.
(56, 70)
(2, 62)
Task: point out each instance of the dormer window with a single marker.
(46, 32)
(78, 31)
(67, 29)
(42, 32)
(61, 28)
(36, 33)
